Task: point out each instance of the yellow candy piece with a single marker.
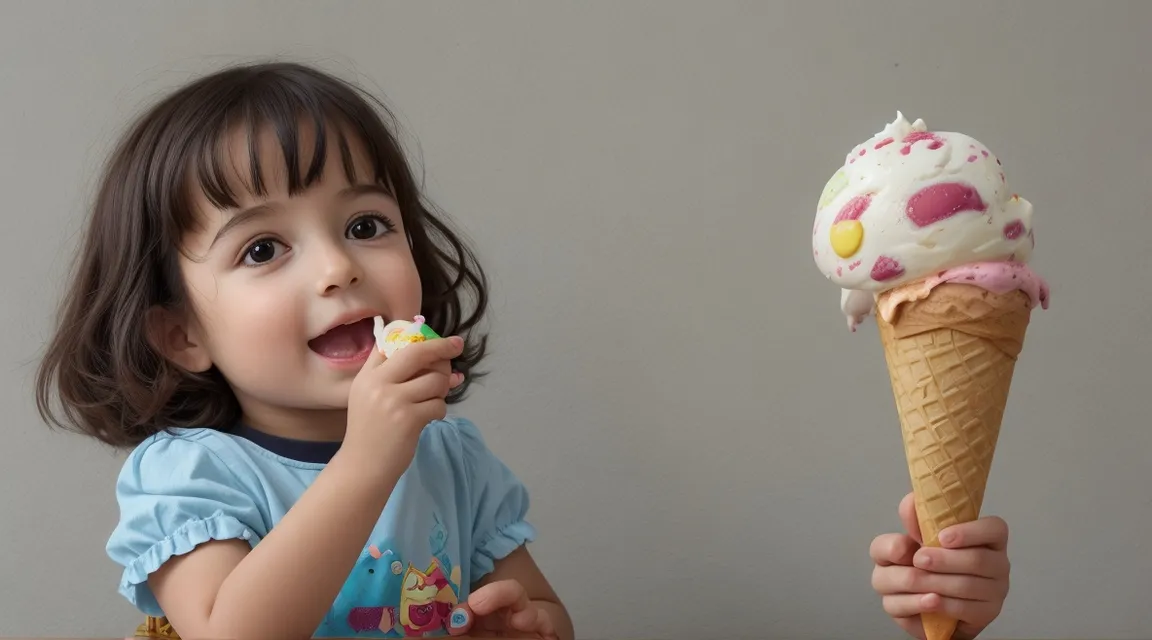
(833, 188)
(846, 237)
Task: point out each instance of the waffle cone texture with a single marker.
(951, 357)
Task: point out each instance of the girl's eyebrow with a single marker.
(261, 210)
(247, 215)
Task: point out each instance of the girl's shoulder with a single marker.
(203, 447)
(456, 441)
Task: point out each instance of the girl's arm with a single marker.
(283, 587)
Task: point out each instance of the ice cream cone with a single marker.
(950, 357)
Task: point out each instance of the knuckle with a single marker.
(375, 395)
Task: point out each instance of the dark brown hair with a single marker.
(110, 382)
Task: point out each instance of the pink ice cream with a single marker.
(997, 277)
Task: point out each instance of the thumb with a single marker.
(907, 510)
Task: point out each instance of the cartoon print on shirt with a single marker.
(426, 601)
(428, 597)
(386, 597)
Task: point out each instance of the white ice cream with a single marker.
(909, 203)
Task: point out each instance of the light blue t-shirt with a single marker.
(456, 510)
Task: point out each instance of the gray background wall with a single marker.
(656, 165)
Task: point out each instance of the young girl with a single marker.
(286, 480)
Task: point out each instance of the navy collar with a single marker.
(298, 450)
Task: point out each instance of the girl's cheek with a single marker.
(263, 314)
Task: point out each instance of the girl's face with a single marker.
(283, 289)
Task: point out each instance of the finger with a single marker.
(504, 594)
(532, 620)
(429, 385)
(893, 548)
(991, 532)
(418, 356)
(431, 410)
(978, 561)
(455, 378)
(902, 605)
(544, 625)
(907, 511)
(973, 612)
(902, 580)
(460, 622)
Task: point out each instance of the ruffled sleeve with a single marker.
(175, 493)
(499, 499)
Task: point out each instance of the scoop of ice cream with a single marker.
(909, 203)
(398, 334)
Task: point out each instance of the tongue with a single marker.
(345, 341)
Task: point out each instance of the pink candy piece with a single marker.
(886, 268)
(917, 136)
(941, 201)
(853, 209)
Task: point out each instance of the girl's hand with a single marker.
(392, 400)
(501, 609)
(966, 578)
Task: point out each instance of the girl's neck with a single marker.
(318, 425)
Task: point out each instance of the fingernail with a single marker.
(922, 560)
(947, 537)
(457, 341)
(459, 618)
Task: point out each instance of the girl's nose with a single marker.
(338, 271)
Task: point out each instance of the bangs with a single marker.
(302, 113)
(217, 175)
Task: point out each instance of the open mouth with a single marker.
(352, 341)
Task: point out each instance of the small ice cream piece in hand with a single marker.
(398, 334)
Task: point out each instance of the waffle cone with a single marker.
(950, 357)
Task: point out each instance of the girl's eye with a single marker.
(369, 227)
(261, 251)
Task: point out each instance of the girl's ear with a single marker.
(178, 338)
